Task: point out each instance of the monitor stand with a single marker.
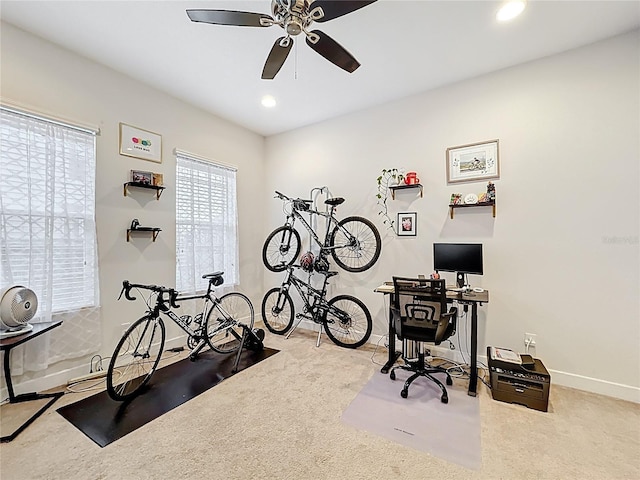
(460, 279)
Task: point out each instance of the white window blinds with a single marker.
(47, 207)
(206, 222)
(48, 232)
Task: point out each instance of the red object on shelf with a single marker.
(411, 178)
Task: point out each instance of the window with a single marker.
(206, 222)
(47, 224)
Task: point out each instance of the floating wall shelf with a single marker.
(470, 205)
(152, 230)
(393, 189)
(157, 188)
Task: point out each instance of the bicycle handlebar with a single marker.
(127, 286)
(298, 203)
(281, 196)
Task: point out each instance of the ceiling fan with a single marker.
(295, 17)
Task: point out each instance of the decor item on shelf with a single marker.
(141, 178)
(138, 143)
(411, 178)
(475, 161)
(158, 179)
(491, 192)
(471, 198)
(456, 199)
(482, 198)
(390, 177)
(407, 224)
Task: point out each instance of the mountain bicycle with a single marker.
(345, 318)
(221, 326)
(354, 242)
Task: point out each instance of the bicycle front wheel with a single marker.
(348, 323)
(281, 248)
(225, 320)
(277, 311)
(135, 358)
(356, 244)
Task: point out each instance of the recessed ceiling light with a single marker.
(510, 10)
(268, 101)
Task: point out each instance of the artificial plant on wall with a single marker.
(389, 177)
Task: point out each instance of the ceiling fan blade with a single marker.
(337, 8)
(230, 17)
(333, 51)
(276, 58)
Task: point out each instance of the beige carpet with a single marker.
(280, 419)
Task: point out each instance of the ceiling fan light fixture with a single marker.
(510, 10)
(268, 101)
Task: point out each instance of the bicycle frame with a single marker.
(211, 301)
(319, 302)
(305, 290)
(331, 220)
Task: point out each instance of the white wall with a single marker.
(52, 80)
(562, 254)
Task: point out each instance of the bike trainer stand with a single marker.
(251, 340)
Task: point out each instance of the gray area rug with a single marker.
(421, 421)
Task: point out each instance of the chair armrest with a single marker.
(447, 319)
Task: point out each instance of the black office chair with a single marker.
(419, 314)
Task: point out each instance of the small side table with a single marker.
(6, 344)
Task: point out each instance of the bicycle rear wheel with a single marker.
(277, 311)
(356, 244)
(225, 320)
(348, 323)
(281, 248)
(135, 358)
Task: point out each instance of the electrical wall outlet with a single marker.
(530, 339)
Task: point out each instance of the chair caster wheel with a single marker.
(449, 381)
(404, 393)
(444, 399)
(392, 375)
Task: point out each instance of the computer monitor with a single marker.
(461, 258)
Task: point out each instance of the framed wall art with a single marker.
(138, 143)
(142, 178)
(473, 162)
(407, 224)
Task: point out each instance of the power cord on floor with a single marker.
(376, 349)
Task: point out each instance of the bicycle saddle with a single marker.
(215, 278)
(334, 201)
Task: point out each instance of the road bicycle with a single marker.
(345, 319)
(353, 242)
(221, 326)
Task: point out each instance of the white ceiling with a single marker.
(405, 47)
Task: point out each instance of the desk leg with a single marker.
(26, 397)
(393, 355)
(473, 374)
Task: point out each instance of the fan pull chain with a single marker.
(295, 69)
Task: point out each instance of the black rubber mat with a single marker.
(104, 420)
